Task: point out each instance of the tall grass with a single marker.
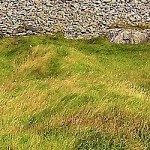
(59, 94)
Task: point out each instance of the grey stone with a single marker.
(29, 32)
(74, 18)
(129, 36)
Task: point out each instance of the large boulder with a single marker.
(129, 36)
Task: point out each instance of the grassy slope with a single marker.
(60, 94)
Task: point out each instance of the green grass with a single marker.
(59, 94)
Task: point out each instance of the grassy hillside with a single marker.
(59, 94)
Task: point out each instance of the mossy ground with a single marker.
(59, 94)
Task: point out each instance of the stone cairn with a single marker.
(122, 21)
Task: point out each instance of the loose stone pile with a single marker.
(75, 18)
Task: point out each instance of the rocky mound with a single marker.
(129, 36)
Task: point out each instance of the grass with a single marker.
(59, 94)
(122, 24)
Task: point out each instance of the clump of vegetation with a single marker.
(65, 94)
(122, 24)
